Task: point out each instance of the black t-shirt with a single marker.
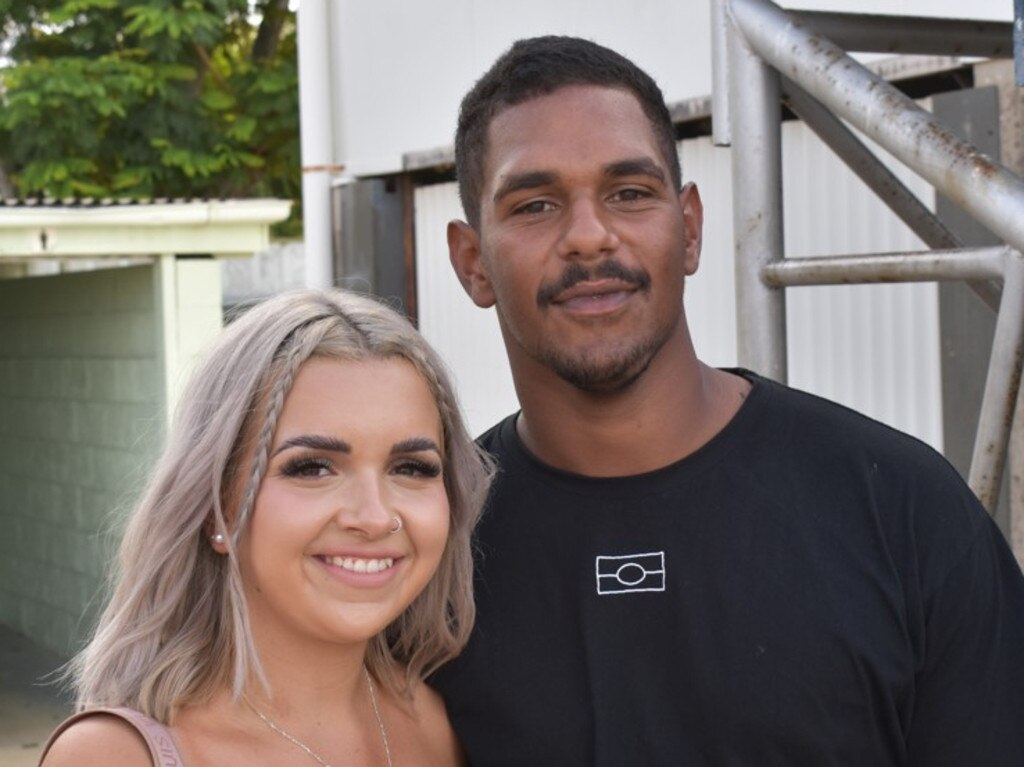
(809, 588)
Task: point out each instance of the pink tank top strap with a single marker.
(161, 745)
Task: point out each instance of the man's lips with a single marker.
(578, 284)
(586, 290)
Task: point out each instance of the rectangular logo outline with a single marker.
(613, 581)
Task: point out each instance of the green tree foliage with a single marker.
(149, 98)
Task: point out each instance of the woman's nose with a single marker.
(364, 508)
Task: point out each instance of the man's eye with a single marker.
(631, 195)
(307, 467)
(535, 206)
(417, 468)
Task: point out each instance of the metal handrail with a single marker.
(753, 42)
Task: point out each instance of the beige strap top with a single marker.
(157, 736)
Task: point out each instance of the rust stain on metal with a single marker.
(984, 166)
(1011, 394)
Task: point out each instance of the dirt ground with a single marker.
(30, 707)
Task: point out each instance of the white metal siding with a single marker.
(467, 337)
(873, 348)
(398, 69)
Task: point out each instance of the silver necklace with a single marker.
(320, 760)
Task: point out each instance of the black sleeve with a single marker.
(968, 704)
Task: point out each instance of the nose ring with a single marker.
(396, 525)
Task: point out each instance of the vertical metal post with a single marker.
(1001, 387)
(1018, 40)
(755, 122)
(315, 136)
(720, 127)
(1015, 533)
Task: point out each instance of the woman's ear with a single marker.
(217, 536)
(464, 253)
(219, 543)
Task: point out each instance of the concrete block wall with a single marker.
(81, 413)
(89, 363)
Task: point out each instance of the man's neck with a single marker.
(675, 407)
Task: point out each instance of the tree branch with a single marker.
(6, 188)
(269, 35)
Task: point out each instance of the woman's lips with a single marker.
(370, 570)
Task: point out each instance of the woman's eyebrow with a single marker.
(415, 445)
(315, 442)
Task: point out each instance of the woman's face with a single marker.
(357, 445)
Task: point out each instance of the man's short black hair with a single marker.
(538, 66)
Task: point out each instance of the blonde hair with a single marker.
(176, 628)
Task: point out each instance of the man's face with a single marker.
(584, 243)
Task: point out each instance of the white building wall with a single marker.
(399, 69)
(468, 338)
(873, 348)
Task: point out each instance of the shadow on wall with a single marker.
(31, 703)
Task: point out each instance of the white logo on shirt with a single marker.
(630, 572)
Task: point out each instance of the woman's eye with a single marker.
(307, 467)
(417, 468)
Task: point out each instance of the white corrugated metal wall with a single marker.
(873, 348)
(468, 338)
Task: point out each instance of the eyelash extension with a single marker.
(298, 467)
(422, 468)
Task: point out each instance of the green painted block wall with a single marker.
(82, 416)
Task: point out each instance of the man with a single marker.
(681, 565)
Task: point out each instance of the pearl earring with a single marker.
(218, 539)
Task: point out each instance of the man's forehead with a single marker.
(533, 135)
(565, 95)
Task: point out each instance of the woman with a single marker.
(300, 560)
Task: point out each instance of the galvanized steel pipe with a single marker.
(754, 110)
(932, 265)
(982, 187)
(912, 34)
(882, 181)
(1002, 385)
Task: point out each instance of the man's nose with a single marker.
(588, 232)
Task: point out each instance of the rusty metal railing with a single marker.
(764, 55)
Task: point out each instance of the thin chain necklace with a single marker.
(320, 760)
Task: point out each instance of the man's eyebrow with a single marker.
(315, 442)
(635, 166)
(528, 180)
(415, 445)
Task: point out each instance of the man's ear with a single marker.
(693, 221)
(464, 253)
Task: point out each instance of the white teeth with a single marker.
(357, 565)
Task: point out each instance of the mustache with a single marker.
(576, 272)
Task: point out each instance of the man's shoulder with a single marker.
(830, 443)
(815, 420)
(496, 440)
